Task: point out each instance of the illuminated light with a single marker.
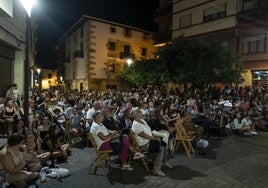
(129, 61)
(28, 5)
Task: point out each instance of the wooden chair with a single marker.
(191, 128)
(183, 138)
(137, 148)
(102, 157)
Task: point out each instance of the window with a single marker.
(143, 51)
(82, 32)
(254, 44)
(110, 67)
(250, 4)
(215, 13)
(49, 75)
(185, 21)
(112, 30)
(111, 45)
(126, 49)
(146, 36)
(127, 32)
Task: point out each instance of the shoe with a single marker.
(167, 165)
(159, 173)
(138, 155)
(253, 132)
(127, 167)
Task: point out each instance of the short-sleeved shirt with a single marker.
(137, 128)
(95, 129)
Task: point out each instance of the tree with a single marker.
(187, 60)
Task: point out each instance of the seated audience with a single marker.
(13, 160)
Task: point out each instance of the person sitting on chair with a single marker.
(147, 141)
(104, 137)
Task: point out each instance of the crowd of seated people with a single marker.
(242, 109)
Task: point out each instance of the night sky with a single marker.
(55, 17)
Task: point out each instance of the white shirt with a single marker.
(137, 128)
(95, 129)
(246, 122)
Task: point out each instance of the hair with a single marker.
(51, 130)
(15, 139)
(96, 114)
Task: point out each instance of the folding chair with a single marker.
(191, 128)
(102, 157)
(183, 138)
(137, 148)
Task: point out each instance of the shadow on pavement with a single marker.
(136, 176)
(182, 173)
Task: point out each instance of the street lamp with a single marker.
(27, 4)
(129, 61)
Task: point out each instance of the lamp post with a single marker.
(27, 4)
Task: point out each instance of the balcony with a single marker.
(124, 55)
(251, 15)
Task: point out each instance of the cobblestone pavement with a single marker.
(228, 162)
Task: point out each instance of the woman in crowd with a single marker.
(10, 114)
(42, 130)
(33, 146)
(13, 160)
(53, 144)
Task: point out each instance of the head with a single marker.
(30, 136)
(137, 114)
(15, 139)
(98, 117)
(53, 130)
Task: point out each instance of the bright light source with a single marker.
(61, 78)
(129, 61)
(28, 5)
(38, 70)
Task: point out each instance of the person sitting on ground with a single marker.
(104, 137)
(53, 144)
(19, 127)
(147, 141)
(33, 146)
(13, 161)
(242, 125)
(42, 130)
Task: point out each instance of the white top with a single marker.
(237, 124)
(137, 128)
(95, 129)
(246, 122)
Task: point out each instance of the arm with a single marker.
(146, 136)
(111, 135)
(9, 166)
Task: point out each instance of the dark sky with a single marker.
(55, 17)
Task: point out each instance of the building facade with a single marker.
(12, 44)
(92, 53)
(241, 25)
